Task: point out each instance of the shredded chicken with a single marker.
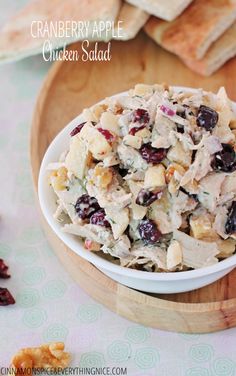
(196, 253)
(96, 233)
(181, 203)
(149, 179)
(143, 254)
(120, 249)
(210, 189)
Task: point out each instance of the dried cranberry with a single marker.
(5, 297)
(146, 197)
(151, 154)
(134, 130)
(3, 270)
(149, 232)
(107, 134)
(141, 116)
(230, 226)
(86, 206)
(99, 218)
(225, 160)
(79, 127)
(207, 117)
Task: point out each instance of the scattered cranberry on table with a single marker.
(3, 270)
(5, 297)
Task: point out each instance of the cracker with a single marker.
(166, 10)
(193, 32)
(220, 52)
(133, 19)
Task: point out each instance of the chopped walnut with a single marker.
(118, 110)
(98, 110)
(60, 178)
(103, 176)
(50, 355)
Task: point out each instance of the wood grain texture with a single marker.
(72, 86)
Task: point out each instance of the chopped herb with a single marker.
(129, 163)
(111, 220)
(206, 193)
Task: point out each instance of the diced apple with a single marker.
(88, 115)
(77, 158)
(142, 89)
(179, 155)
(119, 220)
(97, 143)
(155, 177)
(110, 121)
(91, 245)
(144, 134)
(133, 141)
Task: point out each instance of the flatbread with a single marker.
(165, 9)
(192, 33)
(217, 55)
(133, 20)
(16, 41)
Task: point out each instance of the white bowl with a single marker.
(139, 280)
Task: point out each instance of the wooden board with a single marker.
(68, 88)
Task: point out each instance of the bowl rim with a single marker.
(74, 243)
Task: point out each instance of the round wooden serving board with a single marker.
(72, 86)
